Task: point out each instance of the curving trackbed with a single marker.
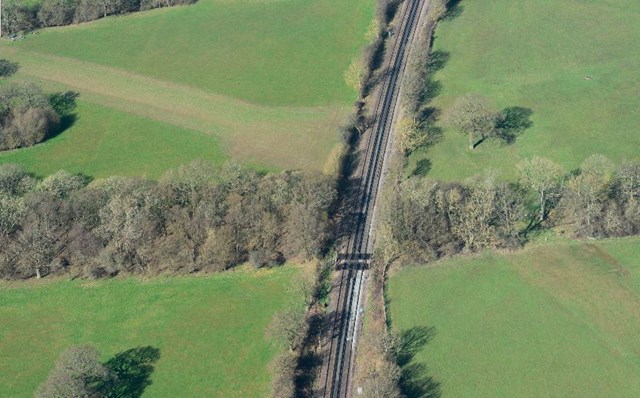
(357, 245)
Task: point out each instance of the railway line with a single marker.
(357, 244)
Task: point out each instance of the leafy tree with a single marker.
(471, 215)
(187, 183)
(12, 211)
(14, 181)
(64, 103)
(19, 17)
(544, 177)
(307, 218)
(219, 250)
(128, 222)
(195, 218)
(415, 76)
(283, 371)
(471, 114)
(61, 184)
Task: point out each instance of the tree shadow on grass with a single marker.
(426, 115)
(132, 370)
(66, 122)
(454, 10)
(512, 122)
(432, 88)
(8, 68)
(423, 166)
(437, 60)
(415, 381)
(65, 105)
(310, 361)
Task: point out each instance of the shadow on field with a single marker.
(454, 10)
(310, 361)
(64, 104)
(428, 115)
(512, 122)
(132, 370)
(8, 68)
(423, 166)
(415, 381)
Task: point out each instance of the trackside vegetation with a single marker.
(552, 320)
(166, 337)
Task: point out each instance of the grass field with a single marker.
(104, 142)
(210, 330)
(536, 54)
(556, 320)
(266, 78)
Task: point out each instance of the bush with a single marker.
(26, 118)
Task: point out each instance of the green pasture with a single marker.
(574, 63)
(104, 142)
(209, 330)
(557, 320)
(270, 52)
(264, 79)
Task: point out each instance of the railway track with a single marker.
(357, 245)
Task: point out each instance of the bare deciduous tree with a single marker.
(411, 135)
(77, 373)
(472, 115)
(544, 177)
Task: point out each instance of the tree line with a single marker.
(21, 17)
(29, 116)
(195, 218)
(426, 219)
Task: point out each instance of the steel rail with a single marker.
(358, 250)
